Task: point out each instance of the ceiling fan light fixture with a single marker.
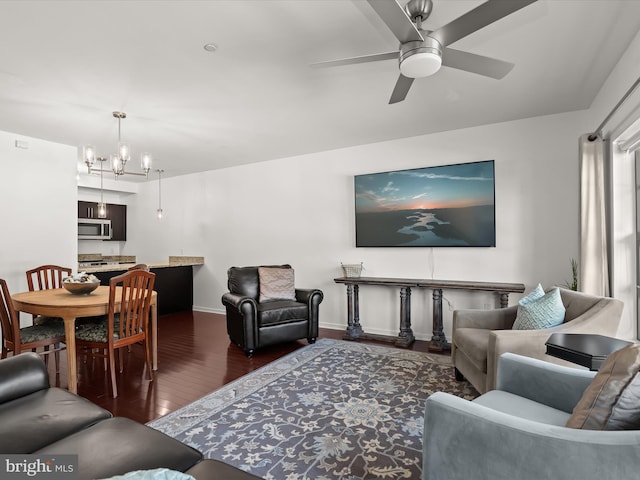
(420, 59)
(421, 65)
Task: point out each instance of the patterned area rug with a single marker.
(332, 410)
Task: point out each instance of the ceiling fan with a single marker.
(423, 52)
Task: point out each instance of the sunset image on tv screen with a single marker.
(442, 206)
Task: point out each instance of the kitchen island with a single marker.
(174, 280)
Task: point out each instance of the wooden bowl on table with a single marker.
(80, 288)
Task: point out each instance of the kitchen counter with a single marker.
(173, 282)
(174, 261)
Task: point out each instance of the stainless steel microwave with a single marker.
(94, 229)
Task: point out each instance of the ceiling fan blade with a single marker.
(397, 20)
(475, 19)
(353, 60)
(401, 89)
(470, 62)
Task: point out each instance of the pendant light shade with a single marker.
(159, 212)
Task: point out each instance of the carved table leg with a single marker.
(438, 340)
(405, 337)
(354, 329)
(504, 299)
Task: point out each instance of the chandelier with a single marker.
(118, 161)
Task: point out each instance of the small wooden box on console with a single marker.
(405, 338)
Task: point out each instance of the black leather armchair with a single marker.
(253, 324)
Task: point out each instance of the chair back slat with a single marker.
(9, 319)
(140, 266)
(136, 287)
(46, 277)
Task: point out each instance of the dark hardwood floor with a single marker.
(195, 357)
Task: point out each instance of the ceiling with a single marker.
(65, 66)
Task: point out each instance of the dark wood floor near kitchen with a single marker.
(195, 357)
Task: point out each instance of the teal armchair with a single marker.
(517, 430)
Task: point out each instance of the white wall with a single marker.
(300, 211)
(38, 196)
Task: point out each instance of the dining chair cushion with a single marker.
(40, 320)
(97, 332)
(38, 333)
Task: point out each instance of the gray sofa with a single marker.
(38, 419)
(517, 430)
(481, 336)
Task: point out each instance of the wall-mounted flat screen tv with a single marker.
(441, 206)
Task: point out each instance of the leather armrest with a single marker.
(237, 301)
(22, 375)
(305, 295)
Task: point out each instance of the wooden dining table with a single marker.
(60, 303)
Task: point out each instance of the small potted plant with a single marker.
(573, 285)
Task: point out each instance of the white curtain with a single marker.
(594, 262)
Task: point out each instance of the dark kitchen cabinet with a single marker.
(118, 216)
(87, 209)
(115, 212)
(173, 284)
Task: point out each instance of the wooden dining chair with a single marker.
(140, 266)
(46, 277)
(16, 339)
(125, 326)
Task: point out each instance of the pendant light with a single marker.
(102, 207)
(88, 152)
(159, 212)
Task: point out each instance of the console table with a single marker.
(405, 338)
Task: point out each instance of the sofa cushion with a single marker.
(544, 312)
(474, 342)
(611, 400)
(276, 283)
(29, 423)
(135, 446)
(279, 312)
(243, 281)
(522, 407)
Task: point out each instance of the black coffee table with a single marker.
(588, 350)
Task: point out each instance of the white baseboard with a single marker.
(197, 308)
(329, 325)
